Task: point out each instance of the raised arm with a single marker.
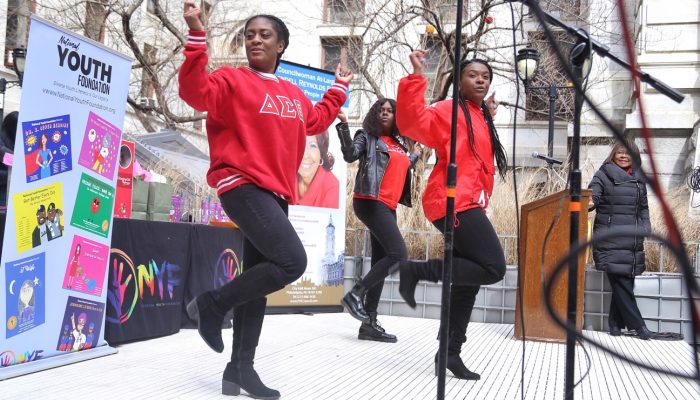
(198, 88)
(413, 118)
(324, 112)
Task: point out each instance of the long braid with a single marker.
(498, 150)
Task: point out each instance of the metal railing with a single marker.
(661, 294)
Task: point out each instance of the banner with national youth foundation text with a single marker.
(319, 217)
(59, 215)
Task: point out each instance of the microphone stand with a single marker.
(579, 53)
(451, 189)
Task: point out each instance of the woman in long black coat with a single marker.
(620, 200)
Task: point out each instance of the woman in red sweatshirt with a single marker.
(478, 256)
(256, 127)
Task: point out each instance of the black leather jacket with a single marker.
(374, 158)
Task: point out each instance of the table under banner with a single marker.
(155, 268)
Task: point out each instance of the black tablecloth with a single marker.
(155, 268)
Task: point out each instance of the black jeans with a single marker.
(477, 254)
(623, 306)
(388, 247)
(273, 254)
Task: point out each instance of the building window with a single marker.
(565, 9)
(445, 10)
(435, 61)
(550, 71)
(237, 44)
(345, 12)
(95, 15)
(148, 91)
(343, 50)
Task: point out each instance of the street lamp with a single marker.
(19, 55)
(526, 63)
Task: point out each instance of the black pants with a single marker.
(477, 260)
(623, 306)
(388, 246)
(273, 255)
(477, 256)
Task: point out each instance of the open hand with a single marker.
(417, 57)
(193, 16)
(492, 104)
(343, 74)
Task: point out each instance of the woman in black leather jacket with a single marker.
(620, 200)
(383, 181)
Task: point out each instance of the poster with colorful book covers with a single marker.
(47, 147)
(25, 293)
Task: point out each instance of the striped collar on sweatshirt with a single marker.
(263, 75)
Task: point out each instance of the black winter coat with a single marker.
(374, 158)
(620, 201)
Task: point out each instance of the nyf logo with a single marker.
(282, 106)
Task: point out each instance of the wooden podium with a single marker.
(535, 220)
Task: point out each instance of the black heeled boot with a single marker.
(374, 331)
(410, 272)
(353, 302)
(462, 299)
(457, 367)
(239, 373)
(209, 316)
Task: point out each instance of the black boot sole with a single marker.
(376, 339)
(234, 389)
(193, 312)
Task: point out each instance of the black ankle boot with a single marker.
(644, 333)
(457, 367)
(247, 379)
(353, 302)
(209, 317)
(614, 329)
(374, 331)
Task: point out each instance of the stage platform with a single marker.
(319, 357)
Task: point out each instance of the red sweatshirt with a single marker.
(256, 123)
(431, 125)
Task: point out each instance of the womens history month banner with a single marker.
(319, 217)
(59, 216)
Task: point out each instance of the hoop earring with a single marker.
(321, 162)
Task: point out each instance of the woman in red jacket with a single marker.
(478, 256)
(383, 181)
(252, 115)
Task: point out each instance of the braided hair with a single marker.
(280, 28)
(372, 126)
(498, 150)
